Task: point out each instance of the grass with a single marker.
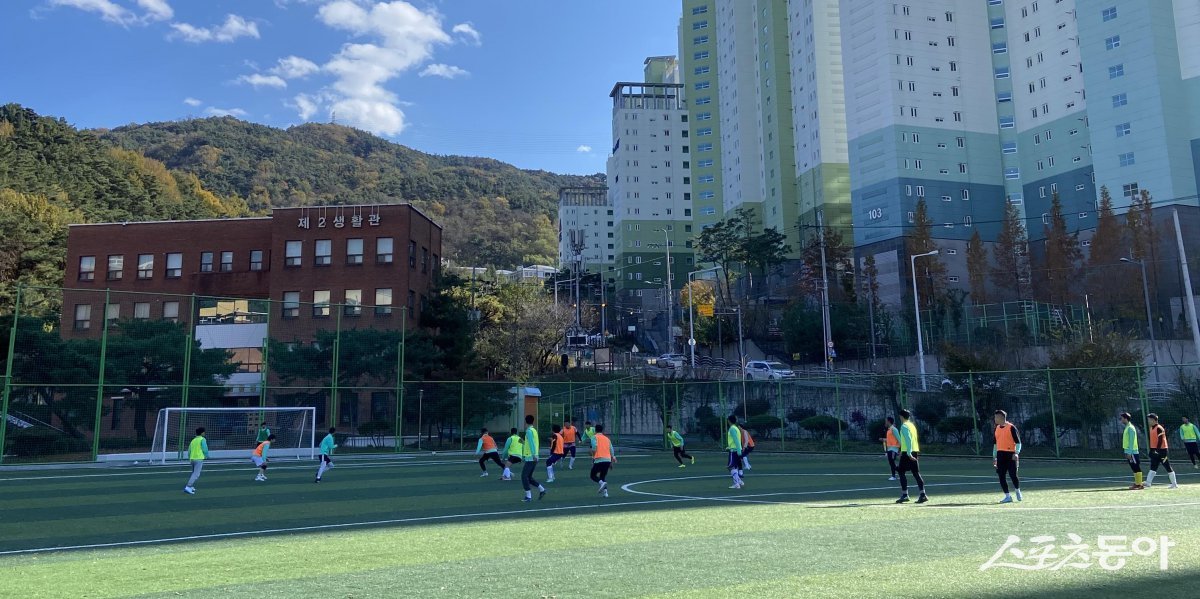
(806, 525)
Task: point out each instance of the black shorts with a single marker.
(512, 459)
(324, 458)
(747, 451)
(735, 461)
(1158, 457)
(908, 463)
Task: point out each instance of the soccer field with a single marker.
(416, 526)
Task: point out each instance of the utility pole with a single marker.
(825, 326)
(1187, 284)
(670, 300)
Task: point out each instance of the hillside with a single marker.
(493, 213)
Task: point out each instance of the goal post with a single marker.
(232, 432)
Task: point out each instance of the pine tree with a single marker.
(1011, 255)
(1104, 259)
(977, 268)
(931, 272)
(1061, 262)
(1143, 241)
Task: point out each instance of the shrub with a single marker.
(823, 426)
(931, 410)
(1043, 423)
(957, 428)
(763, 424)
(797, 415)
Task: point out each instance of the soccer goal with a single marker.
(233, 432)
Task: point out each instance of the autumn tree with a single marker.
(1104, 257)
(977, 268)
(1011, 255)
(930, 269)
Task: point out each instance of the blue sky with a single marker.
(523, 81)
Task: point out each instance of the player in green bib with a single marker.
(1190, 435)
(529, 455)
(264, 431)
(676, 441)
(910, 448)
(197, 453)
(1129, 445)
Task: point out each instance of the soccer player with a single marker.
(1006, 454)
(747, 447)
(677, 447)
(259, 457)
(529, 455)
(325, 461)
(1129, 444)
(556, 451)
(733, 444)
(197, 453)
(891, 445)
(264, 431)
(487, 446)
(910, 448)
(570, 436)
(589, 432)
(512, 452)
(603, 457)
(1191, 440)
(1158, 452)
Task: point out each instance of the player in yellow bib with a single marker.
(197, 453)
(910, 448)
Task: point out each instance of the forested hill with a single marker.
(493, 213)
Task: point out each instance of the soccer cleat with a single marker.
(693, 460)
(484, 475)
(903, 499)
(1019, 497)
(683, 465)
(892, 478)
(549, 480)
(1007, 499)
(189, 490)
(922, 498)
(527, 500)
(541, 494)
(1136, 487)
(604, 494)
(1174, 486)
(317, 480)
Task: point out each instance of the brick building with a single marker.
(363, 264)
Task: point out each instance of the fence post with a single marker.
(837, 399)
(974, 410)
(1145, 401)
(399, 429)
(678, 408)
(8, 369)
(333, 383)
(782, 422)
(462, 422)
(100, 379)
(666, 419)
(1053, 415)
(900, 393)
(263, 370)
(570, 400)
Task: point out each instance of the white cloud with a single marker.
(306, 106)
(155, 10)
(294, 67)
(258, 80)
(214, 111)
(233, 28)
(443, 70)
(468, 32)
(192, 102)
(584, 149)
(402, 37)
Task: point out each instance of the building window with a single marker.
(412, 254)
(383, 302)
(320, 307)
(1007, 122)
(116, 267)
(1130, 190)
(354, 251)
(1000, 48)
(145, 266)
(83, 317)
(424, 260)
(1120, 100)
(206, 262)
(412, 302)
(966, 194)
(1123, 129)
(87, 268)
(1012, 173)
(323, 252)
(174, 266)
(998, 23)
(698, 25)
(1002, 73)
(141, 310)
(1125, 159)
(1009, 147)
(962, 167)
(293, 253)
(171, 311)
(699, 10)
(700, 39)
(226, 261)
(256, 260)
(291, 304)
(1117, 70)
(1109, 14)
(353, 302)
(112, 312)
(383, 250)
(1112, 42)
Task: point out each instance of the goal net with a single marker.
(232, 432)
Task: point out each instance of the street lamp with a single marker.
(670, 311)
(917, 312)
(1149, 317)
(692, 312)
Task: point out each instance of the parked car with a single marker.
(764, 370)
(671, 361)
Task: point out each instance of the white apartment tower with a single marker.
(585, 218)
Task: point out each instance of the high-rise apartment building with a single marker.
(586, 218)
(700, 72)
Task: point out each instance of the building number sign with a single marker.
(338, 221)
(875, 213)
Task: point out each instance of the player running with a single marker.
(1006, 454)
(747, 447)
(487, 447)
(910, 448)
(891, 445)
(589, 433)
(259, 457)
(325, 460)
(1158, 452)
(197, 453)
(513, 448)
(1191, 440)
(556, 451)
(264, 431)
(677, 447)
(570, 437)
(603, 457)
(529, 455)
(733, 444)
(1129, 444)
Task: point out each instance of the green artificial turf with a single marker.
(804, 526)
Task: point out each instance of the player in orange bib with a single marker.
(556, 451)
(603, 457)
(487, 447)
(1158, 452)
(570, 437)
(747, 447)
(259, 457)
(1006, 454)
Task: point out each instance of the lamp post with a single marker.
(1149, 316)
(692, 312)
(917, 313)
(670, 311)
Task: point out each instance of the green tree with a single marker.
(1011, 255)
(977, 268)
(721, 244)
(930, 270)
(1092, 378)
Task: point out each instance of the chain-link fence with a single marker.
(86, 373)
